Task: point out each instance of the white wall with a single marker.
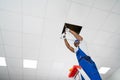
(116, 75)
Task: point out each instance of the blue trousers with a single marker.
(90, 68)
(88, 65)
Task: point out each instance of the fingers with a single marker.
(64, 36)
(67, 29)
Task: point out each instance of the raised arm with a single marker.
(68, 45)
(77, 36)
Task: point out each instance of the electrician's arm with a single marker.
(77, 36)
(68, 45)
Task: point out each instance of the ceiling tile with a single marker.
(34, 7)
(13, 51)
(104, 4)
(1, 41)
(12, 5)
(4, 73)
(12, 38)
(110, 59)
(102, 38)
(53, 27)
(2, 53)
(51, 35)
(46, 49)
(3, 70)
(14, 63)
(43, 70)
(95, 51)
(95, 19)
(29, 77)
(32, 25)
(16, 76)
(31, 40)
(116, 7)
(114, 40)
(27, 71)
(77, 14)
(31, 53)
(58, 66)
(10, 21)
(55, 10)
(112, 23)
(88, 34)
(4, 77)
(43, 74)
(29, 74)
(15, 73)
(40, 77)
(42, 63)
(86, 2)
(117, 31)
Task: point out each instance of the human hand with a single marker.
(64, 35)
(67, 29)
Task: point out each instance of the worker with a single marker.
(84, 60)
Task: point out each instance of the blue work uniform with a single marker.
(87, 65)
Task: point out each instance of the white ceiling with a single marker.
(30, 29)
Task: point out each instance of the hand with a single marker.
(64, 35)
(67, 29)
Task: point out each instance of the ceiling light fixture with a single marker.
(104, 70)
(30, 63)
(2, 61)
